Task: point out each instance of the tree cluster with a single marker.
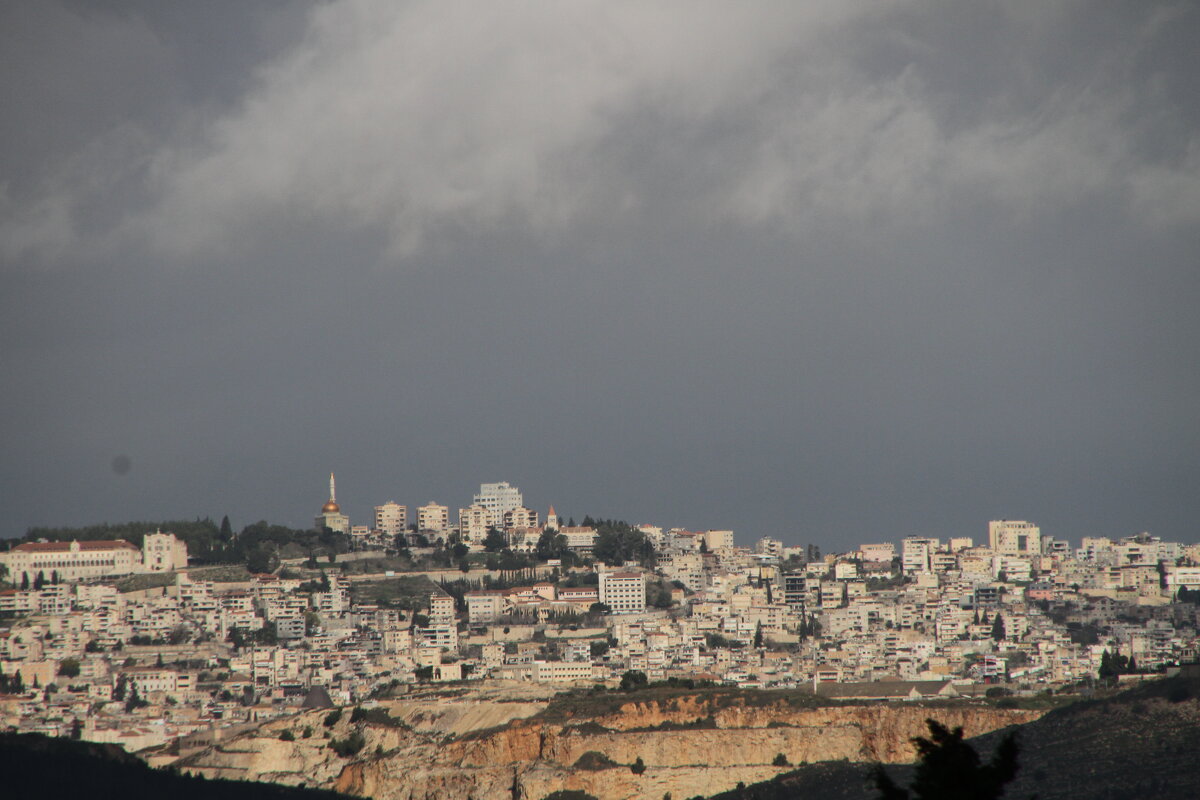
(617, 543)
(1112, 666)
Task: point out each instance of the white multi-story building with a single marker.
(915, 553)
(881, 552)
(623, 592)
(433, 517)
(1014, 537)
(75, 560)
(562, 671)
(159, 679)
(713, 540)
(441, 608)
(520, 518)
(579, 538)
(391, 518)
(473, 524)
(499, 498)
(484, 606)
(768, 546)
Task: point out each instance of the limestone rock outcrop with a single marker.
(466, 749)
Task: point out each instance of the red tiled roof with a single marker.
(64, 547)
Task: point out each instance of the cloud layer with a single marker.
(834, 270)
(428, 120)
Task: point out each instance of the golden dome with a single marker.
(330, 508)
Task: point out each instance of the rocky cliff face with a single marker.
(689, 745)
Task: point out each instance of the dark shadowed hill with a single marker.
(1141, 743)
(43, 767)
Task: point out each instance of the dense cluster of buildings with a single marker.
(934, 617)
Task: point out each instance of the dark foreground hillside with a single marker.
(39, 766)
(1141, 743)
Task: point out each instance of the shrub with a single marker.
(333, 718)
(287, 736)
(349, 746)
(594, 761)
(308, 732)
(633, 679)
(638, 767)
(781, 761)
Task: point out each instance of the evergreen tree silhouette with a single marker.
(949, 769)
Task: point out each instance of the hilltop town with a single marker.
(138, 645)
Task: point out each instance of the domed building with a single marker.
(331, 515)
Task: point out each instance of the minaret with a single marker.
(331, 515)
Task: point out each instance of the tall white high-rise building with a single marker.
(498, 499)
(391, 518)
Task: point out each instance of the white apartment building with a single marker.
(484, 606)
(520, 518)
(623, 592)
(499, 498)
(391, 518)
(768, 546)
(717, 539)
(441, 608)
(433, 517)
(473, 524)
(883, 551)
(1014, 537)
(915, 553)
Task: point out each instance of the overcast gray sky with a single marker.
(833, 271)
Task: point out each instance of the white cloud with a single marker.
(470, 115)
(418, 119)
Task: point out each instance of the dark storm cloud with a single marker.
(831, 271)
